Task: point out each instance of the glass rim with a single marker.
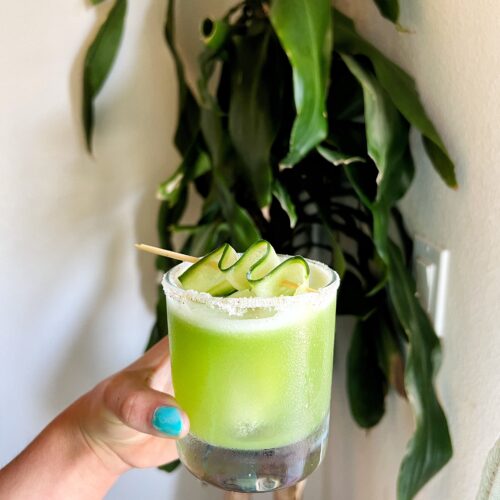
(238, 305)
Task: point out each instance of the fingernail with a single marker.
(168, 420)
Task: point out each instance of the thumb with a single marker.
(144, 409)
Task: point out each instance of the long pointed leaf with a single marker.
(98, 62)
(285, 200)
(352, 172)
(171, 466)
(305, 32)
(337, 157)
(251, 125)
(195, 163)
(386, 133)
(400, 88)
(242, 228)
(389, 9)
(430, 447)
(366, 383)
(442, 163)
(387, 137)
(206, 237)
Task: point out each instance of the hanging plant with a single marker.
(301, 137)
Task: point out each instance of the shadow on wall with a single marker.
(85, 356)
(109, 197)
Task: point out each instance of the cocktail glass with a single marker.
(254, 376)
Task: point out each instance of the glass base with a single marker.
(252, 471)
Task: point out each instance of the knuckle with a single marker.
(111, 391)
(128, 407)
(121, 397)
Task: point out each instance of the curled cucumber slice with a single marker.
(291, 277)
(259, 259)
(207, 275)
(258, 272)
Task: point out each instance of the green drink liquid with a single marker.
(254, 373)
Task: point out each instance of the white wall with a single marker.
(454, 54)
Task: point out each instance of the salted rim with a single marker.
(238, 305)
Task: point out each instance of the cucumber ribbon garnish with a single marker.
(257, 272)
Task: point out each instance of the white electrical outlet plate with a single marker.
(431, 274)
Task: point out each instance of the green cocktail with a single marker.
(254, 376)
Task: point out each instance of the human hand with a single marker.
(127, 417)
(121, 423)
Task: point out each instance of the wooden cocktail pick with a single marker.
(166, 253)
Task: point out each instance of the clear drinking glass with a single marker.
(254, 376)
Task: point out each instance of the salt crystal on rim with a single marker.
(238, 306)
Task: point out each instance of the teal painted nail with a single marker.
(168, 420)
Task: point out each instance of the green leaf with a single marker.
(188, 122)
(171, 466)
(195, 163)
(207, 61)
(387, 137)
(207, 237)
(386, 134)
(355, 173)
(404, 238)
(337, 157)
(96, 2)
(242, 228)
(215, 136)
(400, 88)
(305, 32)
(397, 179)
(251, 125)
(345, 98)
(392, 187)
(442, 163)
(284, 199)
(169, 190)
(430, 447)
(98, 62)
(389, 9)
(366, 383)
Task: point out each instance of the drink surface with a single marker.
(257, 380)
